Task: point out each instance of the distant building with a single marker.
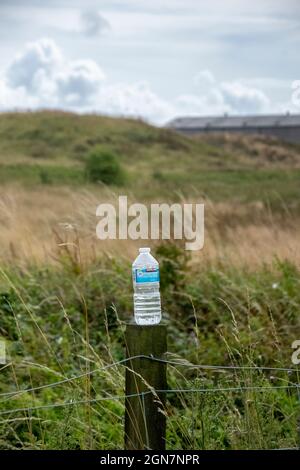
(285, 127)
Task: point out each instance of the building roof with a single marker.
(232, 122)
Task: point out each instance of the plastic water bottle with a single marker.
(145, 274)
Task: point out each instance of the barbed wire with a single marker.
(218, 367)
(148, 392)
(69, 379)
(151, 358)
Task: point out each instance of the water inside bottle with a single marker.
(147, 305)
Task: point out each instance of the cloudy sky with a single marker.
(155, 59)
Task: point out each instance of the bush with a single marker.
(104, 166)
(45, 177)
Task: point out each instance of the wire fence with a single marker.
(9, 395)
(156, 359)
(147, 392)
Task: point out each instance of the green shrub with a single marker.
(158, 175)
(45, 176)
(104, 166)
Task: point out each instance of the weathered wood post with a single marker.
(145, 422)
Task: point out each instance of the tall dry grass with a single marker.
(38, 223)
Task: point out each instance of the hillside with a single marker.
(51, 148)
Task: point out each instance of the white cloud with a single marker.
(197, 105)
(204, 77)
(78, 82)
(244, 99)
(136, 100)
(40, 57)
(225, 97)
(49, 79)
(92, 23)
(14, 98)
(40, 76)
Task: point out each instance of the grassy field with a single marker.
(64, 295)
(50, 148)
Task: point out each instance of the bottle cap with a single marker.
(144, 250)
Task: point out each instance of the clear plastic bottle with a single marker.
(145, 274)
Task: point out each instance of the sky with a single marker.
(151, 59)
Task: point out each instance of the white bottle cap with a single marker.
(144, 250)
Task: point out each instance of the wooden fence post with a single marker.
(145, 421)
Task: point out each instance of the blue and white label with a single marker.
(146, 275)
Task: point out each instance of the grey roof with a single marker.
(227, 122)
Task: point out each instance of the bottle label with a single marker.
(146, 275)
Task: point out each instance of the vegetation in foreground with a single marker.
(62, 322)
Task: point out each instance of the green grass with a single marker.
(275, 188)
(240, 185)
(33, 175)
(61, 322)
(52, 148)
